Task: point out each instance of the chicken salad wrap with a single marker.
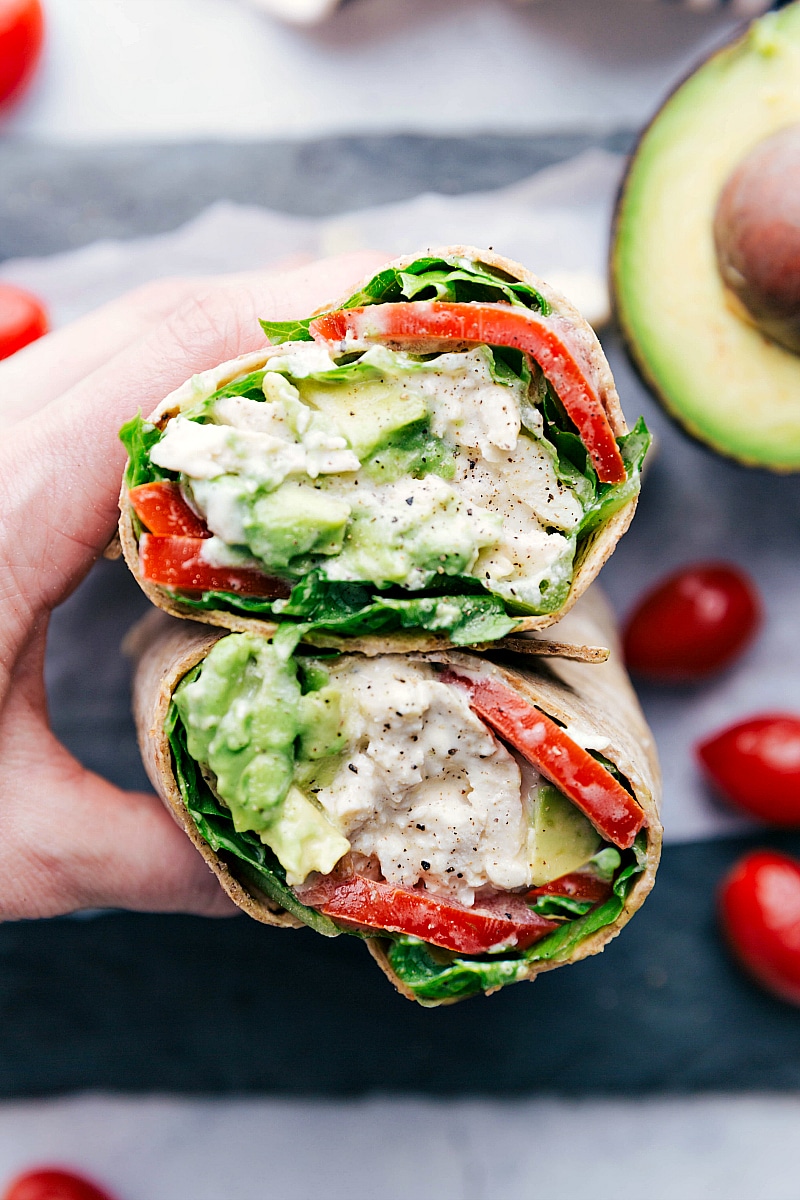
(474, 820)
(440, 457)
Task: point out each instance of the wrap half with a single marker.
(440, 456)
(476, 821)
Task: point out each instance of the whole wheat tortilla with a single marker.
(592, 553)
(597, 697)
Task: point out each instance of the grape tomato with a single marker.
(21, 36)
(53, 1183)
(693, 623)
(22, 319)
(760, 912)
(755, 764)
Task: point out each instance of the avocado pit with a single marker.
(757, 236)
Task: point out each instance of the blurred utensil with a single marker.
(308, 12)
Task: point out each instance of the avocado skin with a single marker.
(779, 451)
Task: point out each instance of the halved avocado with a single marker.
(721, 377)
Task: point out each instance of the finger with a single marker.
(60, 473)
(71, 840)
(45, 369)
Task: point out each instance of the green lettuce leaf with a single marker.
(608, 860)
(250, 385)
(561, 906)
(353, 609)
(139, 437)
(456, 280)
(610, 497)
(433, 975)
(279, 332)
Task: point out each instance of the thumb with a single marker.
(60, 470)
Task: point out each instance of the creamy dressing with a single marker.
(468, 406)
(506, 513)
(427, 789)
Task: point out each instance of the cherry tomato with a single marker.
(51, 1183)
(693, 623)
(21, 34)
(22, 317)
(760, 908)
(756, 765)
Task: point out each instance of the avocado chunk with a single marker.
(294, 520)
(246, 721)
(304, 840)
(367, 414)
(722, 377)
(560, 838)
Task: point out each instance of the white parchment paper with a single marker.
(558, 219)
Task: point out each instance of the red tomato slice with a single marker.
(21, 34)
(760, 908)
(756, 765)
(51, 1183)
(580, 885)
(176, 562)
(22, 317)
(693, 623)
(504, 921)
(163, 511)
(612, 810)
(548, 340)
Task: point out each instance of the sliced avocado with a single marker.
(303, 838)
(413, 450)
(560, 838)
(321, 730)
(245, 718)
(293, 520)
(241, 719)
(720, 376)
(368, 414)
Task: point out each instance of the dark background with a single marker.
(152, 1003)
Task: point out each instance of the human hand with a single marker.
(68, 838)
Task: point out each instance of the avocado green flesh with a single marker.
(368, 414)
(561, 839)
(247, 720)
(291, 521)
(727, 383)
